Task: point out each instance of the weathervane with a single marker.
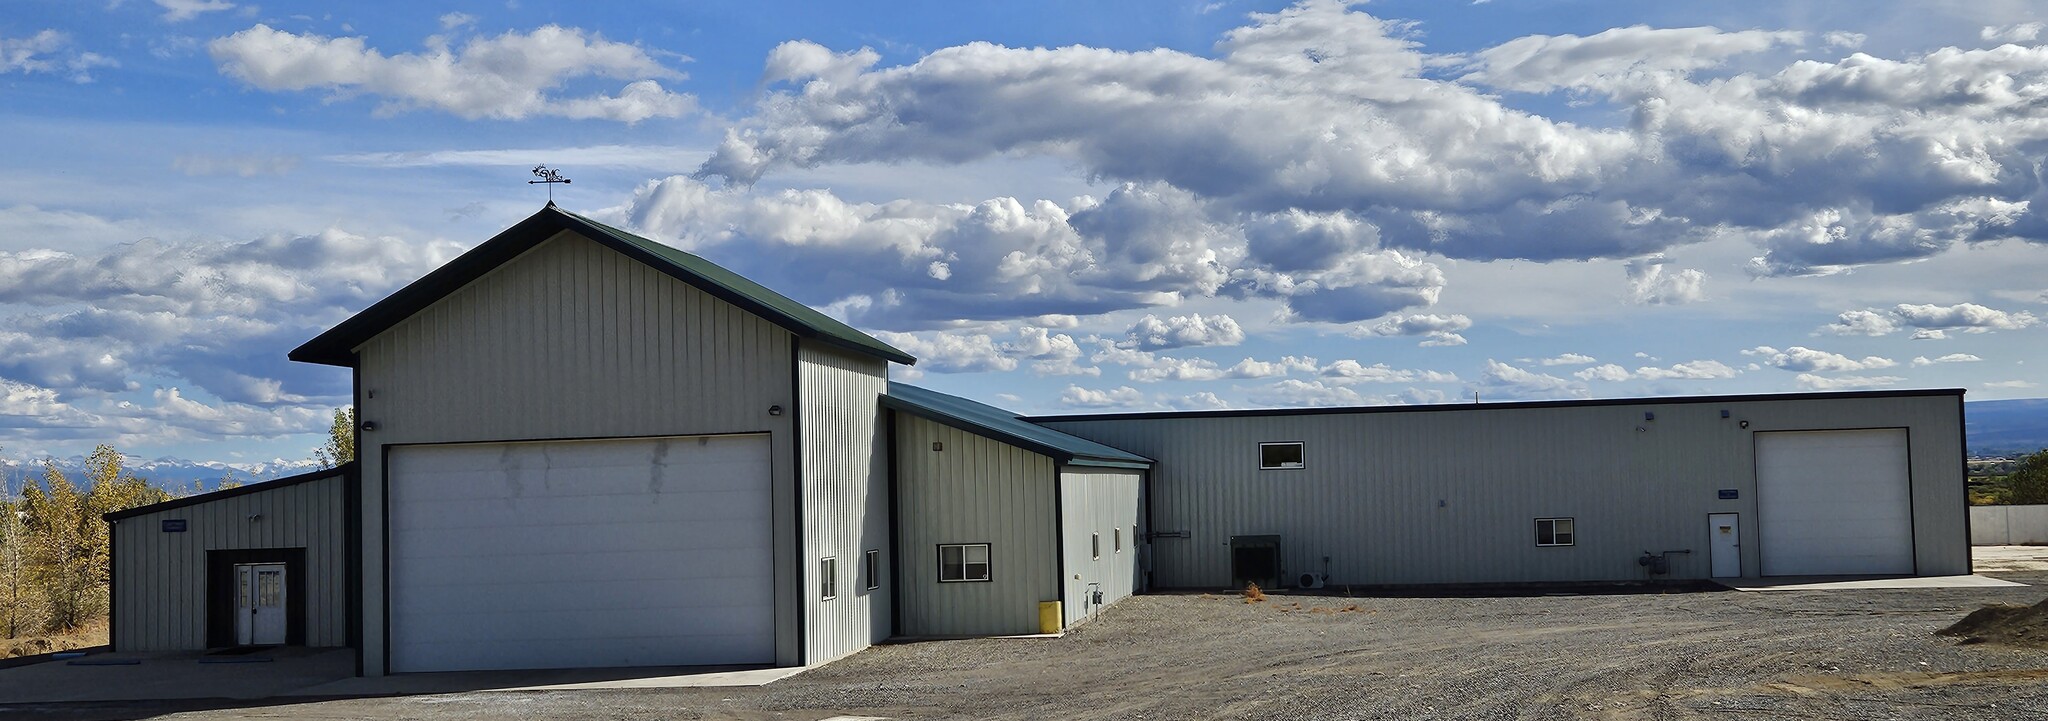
(548, 177)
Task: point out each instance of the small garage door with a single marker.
(1834, 503)
(641, 552)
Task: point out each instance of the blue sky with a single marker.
(1058, 206)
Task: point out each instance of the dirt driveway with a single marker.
(1696, 655)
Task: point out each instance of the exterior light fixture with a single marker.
(938, 446)
(775, 410)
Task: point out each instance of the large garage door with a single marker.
(1834, 503)
(642, 552)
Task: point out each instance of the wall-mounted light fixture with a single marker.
(369, 426)
(1744, 424)
(254, 517)
(938, 446)
(775, 410)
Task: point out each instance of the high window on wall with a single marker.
(963, 562)
(1554, 532)
(1285, 455)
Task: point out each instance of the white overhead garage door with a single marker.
(640, 552)
(1834, 503)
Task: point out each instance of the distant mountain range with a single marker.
(1999, 428)
(1995, 428)
(177, 474)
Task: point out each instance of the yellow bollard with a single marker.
(1049, 617)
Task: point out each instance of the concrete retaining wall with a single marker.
(2008, 525)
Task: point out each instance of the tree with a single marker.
(341, 440)
(65, 542)
(2028, 482)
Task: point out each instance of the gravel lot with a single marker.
(1681, 655)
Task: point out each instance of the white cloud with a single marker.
(1798, 358)
(1199, 369)
(1181, 331)
(1843, 383)
(1843, 40)
(508, 77)
(1569, 359)
(1950, 358)
(952, 352)
(176, 11)
(1365, 142)
(1436, 330)
(1862, 322)
(1603, 372)
(2015, 33)
(1202, 401)
(1299, 393)
(1543, 63)
(1648, 284)
(44, 52)
(1932, 320)
(1501, 380)
(1120, 397)
(455, 20)
(1693, 370)
(1351, 371)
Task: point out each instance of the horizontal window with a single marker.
(963, 562)
(1280, 456)
(1553, 532)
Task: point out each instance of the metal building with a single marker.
(1007, 515)
(1558, 491)
(579, 447)
(262, 564)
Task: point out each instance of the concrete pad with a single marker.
(1838, 583)
(175, 675)
(2009, 559)
(552, 680)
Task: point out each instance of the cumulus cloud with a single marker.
(1810, 381)
(1137, 247)
(1693, 370)
(1351, 371)
(1365, 142)
(1436, 330)
(508, 77)
(1569, 359)
(1181, 331)
(1120, 397)
(1950, 358)
(1648, 284)
(952, 352)
(1202, 401)
(1799, 358)
(1501, 380)
(46, 52)
(1933, 321)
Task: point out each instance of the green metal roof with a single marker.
(337, 346)
(986, 420)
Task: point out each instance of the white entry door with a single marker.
(1725, 544)
(259, 604)
(1834, 503)
(629, 552)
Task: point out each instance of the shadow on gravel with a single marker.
(137, 710)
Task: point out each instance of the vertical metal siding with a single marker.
(162, 576)
(1451, 496)
(1092, 501)
(573, 340)
(976, 490)
(845, 497)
